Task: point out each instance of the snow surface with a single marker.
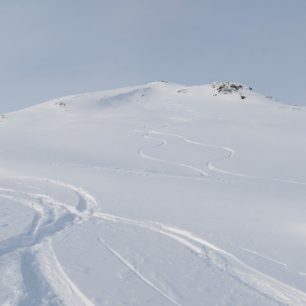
(159, 194)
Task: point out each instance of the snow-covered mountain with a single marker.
(160, 194)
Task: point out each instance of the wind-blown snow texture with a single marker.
(154, 195)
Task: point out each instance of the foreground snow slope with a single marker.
(154, 195)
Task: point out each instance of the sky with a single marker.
(51, 48)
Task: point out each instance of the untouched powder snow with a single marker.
(160, 194)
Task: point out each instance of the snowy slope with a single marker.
(159, 194)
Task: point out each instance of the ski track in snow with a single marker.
(198, 170)
(51, 283)
(230, 153)
(45, 280)
(223, 260)
(201, 174)
(164, 142)
(138, 273)
(274, 261)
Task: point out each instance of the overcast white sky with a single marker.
(50, 48)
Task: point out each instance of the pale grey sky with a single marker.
(50, 48)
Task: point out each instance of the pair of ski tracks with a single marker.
(201, 174)
(37, 248)
(45, 281)
(226, 262)
(210, 164)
